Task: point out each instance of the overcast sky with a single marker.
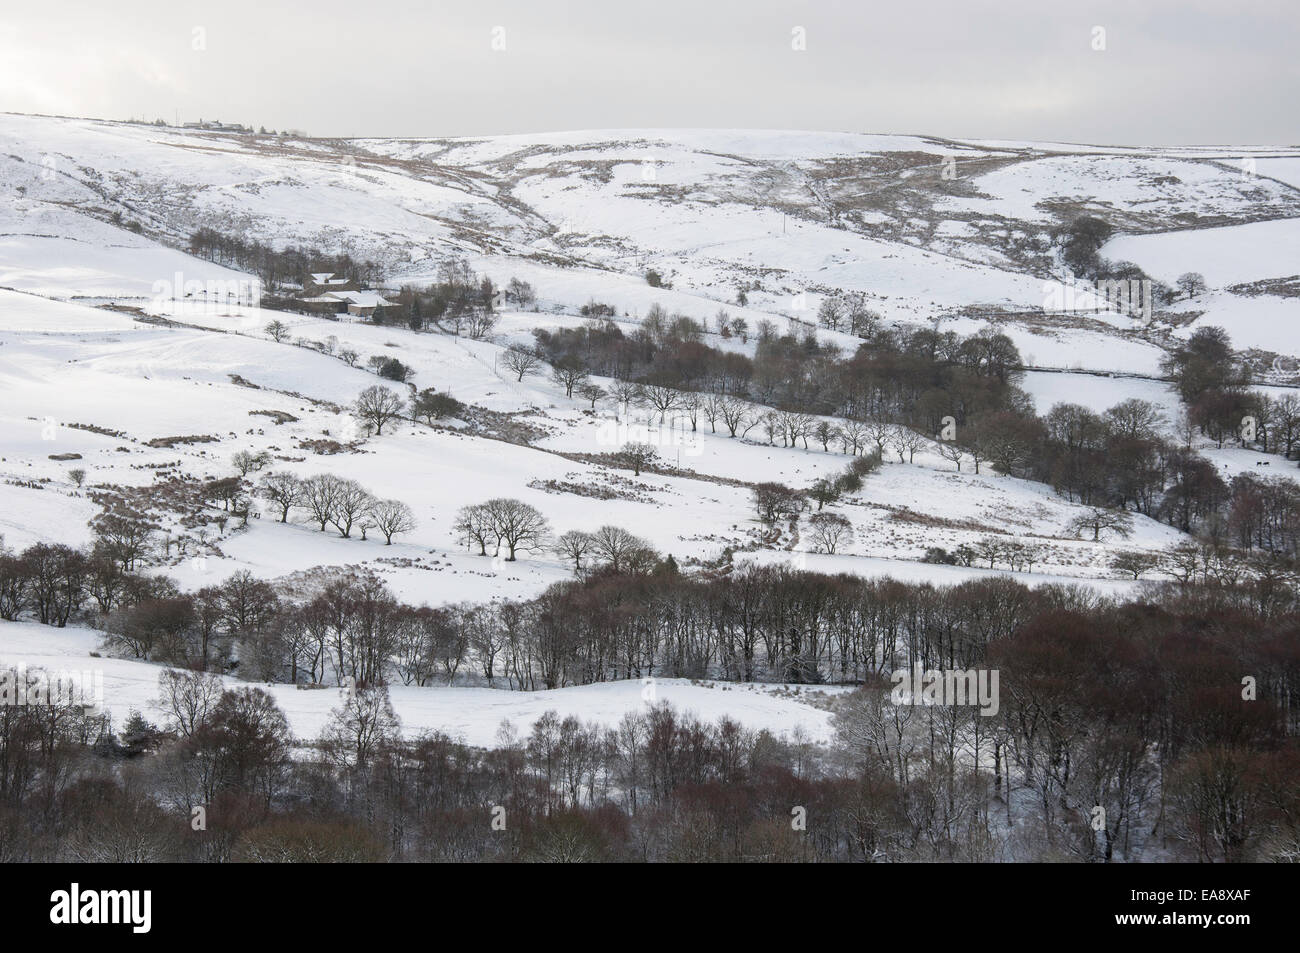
(1196, 71)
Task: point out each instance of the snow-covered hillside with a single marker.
(96, 374)
(473, 715)
(92, 382)
(926, 228)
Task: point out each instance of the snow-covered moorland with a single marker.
(104, 373)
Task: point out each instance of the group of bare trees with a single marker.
(327, 499)
(1192, 764)
(1115, 461)
(280, 266)
(140, 526)
(502, 521)
(738, 418)
(1120, 461)
(848, 312)
(377, 407)
(903, 392)
(914, 378)
(51, 581)
(989, 552)
(610, 547)
(774, 501)
(458, 301)
(894, 783)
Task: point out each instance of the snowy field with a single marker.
(790, 215)
(472, 715)
(97, 214)
(148, 383)
(1233, 254)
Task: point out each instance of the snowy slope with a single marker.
(789, 215)
(145, 383)
(473, 715)
(98, 214)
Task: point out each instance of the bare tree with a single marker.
(1191, 283)
(951, 452)
(474, 524)
(1101, 519)
(361, 727)
(735, 414)
(1136, 419)
(123, 538)
(974, 446)
(991, 548)
(283, 489)
(832, 312)
(829, 531)
(852, 435)
(574, 545)
(351, 502)
(692, 403)
(520, 292)
(615, 545)
(520, 361)
(880, 433)
(625, 395)
(517, 524)
(1134, 563)
(662, 399)
(320, 497)
(711, 405)
(391, 517)
(638, 455)
(378, 405)
(187, 698)
(246, 461)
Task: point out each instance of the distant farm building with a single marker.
(331, 295)
(324, 282)
(217, 125)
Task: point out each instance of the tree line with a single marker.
(1162, 727)
(276, 267)
(904, 391)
